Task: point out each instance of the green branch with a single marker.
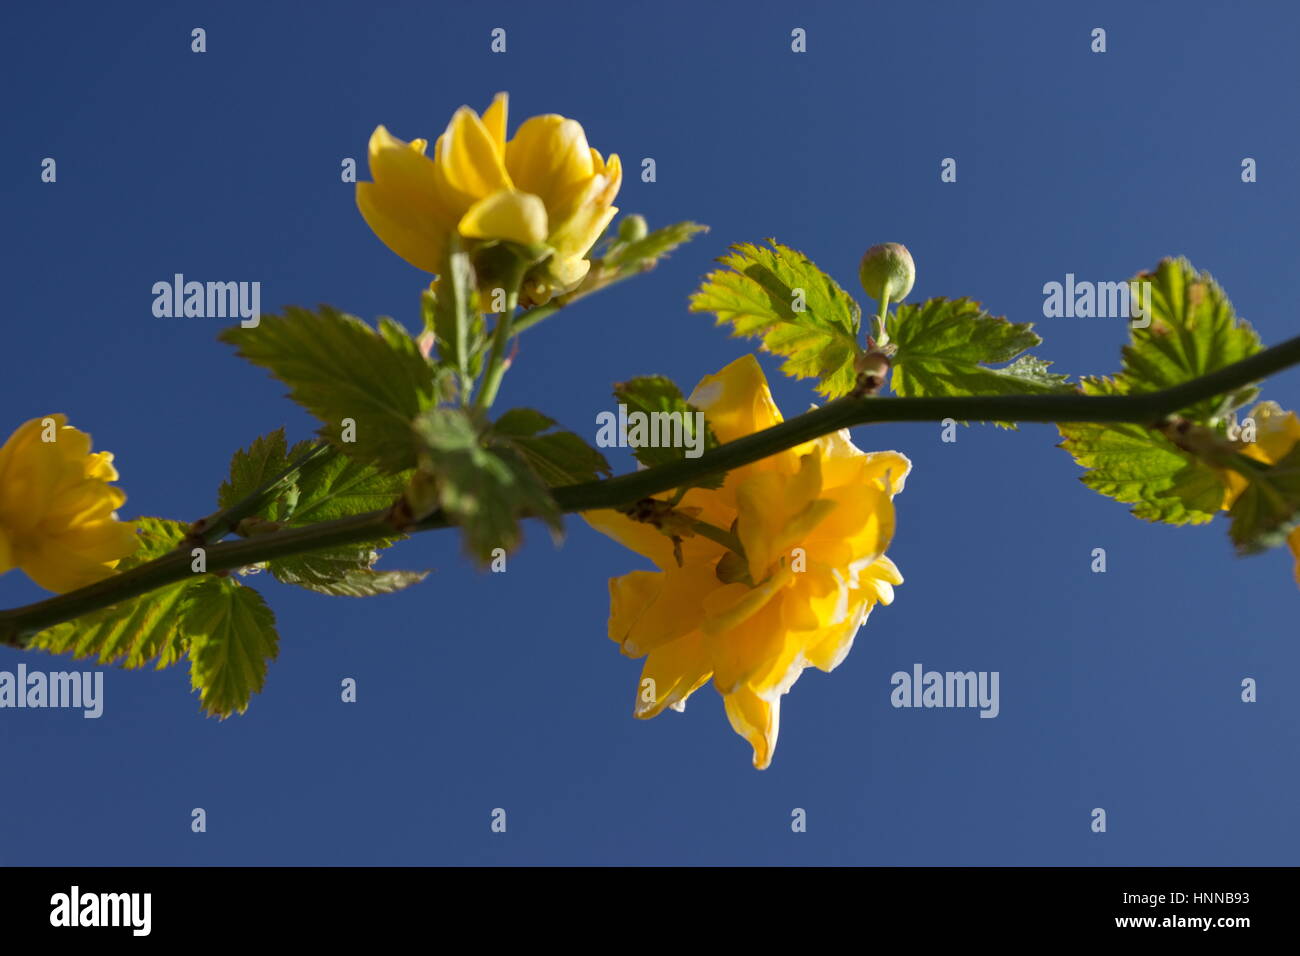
(219, 524)
(1149, 408)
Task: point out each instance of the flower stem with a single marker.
(1148, 408)
(496, 368)
(881, 337)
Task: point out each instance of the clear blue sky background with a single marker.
(1119, 690)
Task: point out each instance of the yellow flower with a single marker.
(1276, 433)
(545, 187)
(813, 522)
(57, 508)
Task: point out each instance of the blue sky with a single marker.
(476, 691)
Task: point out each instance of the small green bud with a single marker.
(888, 270)
(631, 228)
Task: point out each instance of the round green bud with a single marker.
(888, 270)
(631, 228)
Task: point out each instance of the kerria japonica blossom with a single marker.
(813, 523)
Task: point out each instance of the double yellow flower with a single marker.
(813, 522)
(545, 189)
(58, 520)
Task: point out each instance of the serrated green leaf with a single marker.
(1194, 330)
(945, 348)
(253, 467)
(816, 331)
(558, 457)
(338, 367)
(1268, 510)
(666, 414)
(136, 631)
(1137, 465)
(653, 246)
(484, 490)
(231, 635)
(336, 486)
(342, 572)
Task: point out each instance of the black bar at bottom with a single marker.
(241, 905)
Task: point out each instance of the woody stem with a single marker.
(1149, 408)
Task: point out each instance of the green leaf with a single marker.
(945, 348)
(138, 630)
(654, 246)
(330, 488)
(1194, 330)
(259, 464)
(336, 486)
(342, 572)
(484, 490)
(231, 635)
(338, 367)
(1268, 510)
(1137, 465)
(453, 316)
(558, 457)
(816, 331)
(662, 426)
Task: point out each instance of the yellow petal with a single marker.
(654, 613)
(60, 569)
(816, 599)
(757, 720)
(1293, 541)
(7, 560)
(409, 180)
(673, 671)
(628, 597)
(890, 468)
(469, 163)
(567, 273)
(777, 511)
(550, 158)
(835, 642)
(100, 466)
(57, 519)
(494, 120)
(675, 611)
(576, 235)
(737, 401)
(32, 470)
(751, 643)
(513, 216)
(418, 241)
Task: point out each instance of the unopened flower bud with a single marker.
(887, 271)
(632, 228)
